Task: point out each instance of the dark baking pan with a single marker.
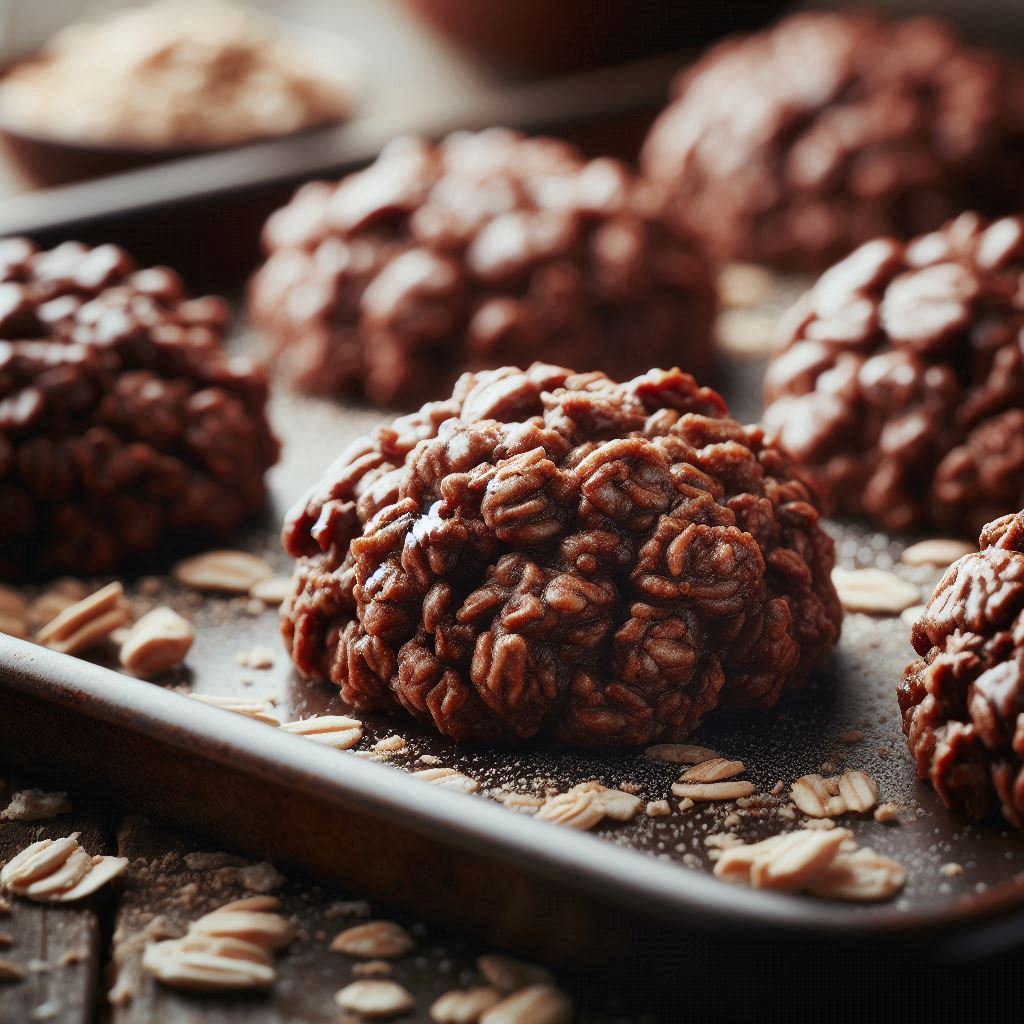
(637, 895)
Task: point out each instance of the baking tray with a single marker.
(639, 895)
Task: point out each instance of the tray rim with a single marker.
(596, 868)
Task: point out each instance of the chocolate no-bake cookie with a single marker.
(793, 146)
(123, 425)
(484, 250)
(901, 385)
(963, 699)
(550, 553)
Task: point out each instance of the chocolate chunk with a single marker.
(123, 425)
(900, 388)
(793, 146)
(550, 553)
(483, 250)
(962, 700)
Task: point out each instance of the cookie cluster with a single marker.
(125, 429)
(793, 146)
(557, 554)
(900, 384)
(483, 250)
(962, 699)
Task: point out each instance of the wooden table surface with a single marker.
(84, 960)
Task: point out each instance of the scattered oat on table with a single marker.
(680, 753)
(390, 745)
(887, 813)
(87, 623)
(62, 594)
(861, 876)
(11, 972)
(464, 1006)
(157, 643)
(537, 1004)
(337, 731)
(910, 616)
(937, 552)
(616, 804)
(874, 591)
(746, 333)
(375, 999)
(704, 792)
(58, 871)
(272, 590)
(742, 285)
(449, 778)
(716, 769)
(372, 969)
(228, 572)
(658, 809)
(521, 801)
(577, 809)
(229, 949)
(818, 797)
(507, 973)
(374, 940)
(813, 861)
(819, 824)
(255, 709)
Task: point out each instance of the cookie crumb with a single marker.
(887, 813)
(35, 805)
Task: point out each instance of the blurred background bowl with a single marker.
(548, 36)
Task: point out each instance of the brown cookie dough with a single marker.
(550, 553)
(124, 428)
(900, 388)
(963, 699)
(793, 146)
(483, 250)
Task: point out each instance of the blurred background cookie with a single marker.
(479, 251)
(792, 146)
(900, 386)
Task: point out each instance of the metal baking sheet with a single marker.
(641, 892)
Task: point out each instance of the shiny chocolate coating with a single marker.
(555, 554)
(793, 146)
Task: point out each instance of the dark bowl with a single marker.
(549, 36)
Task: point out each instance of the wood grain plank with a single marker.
(174, 878)
(59, 946)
